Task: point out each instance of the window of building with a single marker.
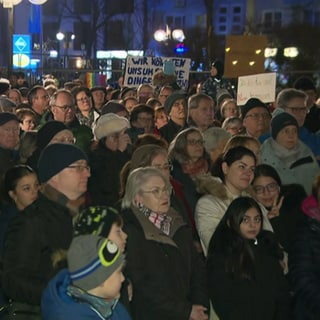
(230, 19)
(180, 3)
(272, 19)
(175, 22)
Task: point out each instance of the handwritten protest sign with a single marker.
(261, 86)
(140, 70)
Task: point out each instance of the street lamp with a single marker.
(163, 35)
(67, 38)
(9, 4)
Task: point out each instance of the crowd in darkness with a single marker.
(158, 203)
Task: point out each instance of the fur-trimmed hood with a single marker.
(207, 184)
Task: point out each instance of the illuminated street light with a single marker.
(291, 52)
(60, 36)
(270, 52)
(164, 35)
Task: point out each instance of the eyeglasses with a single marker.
(166, 166)
(194, 142)
(271, 187)
(65, 140)
(257, 116)
(158, 192)
(64, 108)
(248, 220)
(80, 168)
(84, 99)
(298, 110)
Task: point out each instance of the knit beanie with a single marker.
(251, 104)
(6, 117)
(96, 220)
(304, 83)
(109, 124)
(56, 157)
(48, 131)
(222, 94)
(171, 100)
(280, 121)
(220, 68)
(4, 85)
(92, 260)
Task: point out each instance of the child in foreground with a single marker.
(90, 287)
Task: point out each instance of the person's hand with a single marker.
(276, 206)
(124, 140)
(198, 312)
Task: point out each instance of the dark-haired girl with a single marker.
(244, 273)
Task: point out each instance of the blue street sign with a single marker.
(21, 43)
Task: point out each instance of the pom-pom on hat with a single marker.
(171, 100)
(92, 260)
(109, 124)
(96, 220)
(251, 104)
(56, 157)
(280, 121)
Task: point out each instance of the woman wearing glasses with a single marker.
(156, 156)
(84, 105)
(167, 274)
(282, 203)
(189, 159)
(245, 279)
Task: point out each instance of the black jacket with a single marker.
(33, 237)
(167, 274)
(170, 130)
(304, 269)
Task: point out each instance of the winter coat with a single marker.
(234, 298)
(304, 266)
(56, 304)
(293, 166)
(35, 236)
(212, 206)
(167, 274)
(104, 183)
(170, 130)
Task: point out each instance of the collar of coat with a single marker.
(207, 184)
(151, 232)
(56, 196)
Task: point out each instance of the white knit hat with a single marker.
(108, 124)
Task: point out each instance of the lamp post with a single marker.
(169, 36)
(67, 38)
(9, 4)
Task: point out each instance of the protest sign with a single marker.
(140, 70)
(261, 86)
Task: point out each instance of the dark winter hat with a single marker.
(280, 121)
(125, 90)
(96, 220)
(251, 104)
(92, 260)
(6, 117)
(6, 104)
(112, 106)
(304, 83)
(56, 157)
(172, 99)
(48, 131)
(4, 85)
(220, 68)
(99, 88)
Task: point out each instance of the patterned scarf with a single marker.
(199, 167)
(160, 221)
(103, 307)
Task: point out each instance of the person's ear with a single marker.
(138, 200)
(12, 195)
(224, 167)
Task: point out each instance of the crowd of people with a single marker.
(156, 203)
